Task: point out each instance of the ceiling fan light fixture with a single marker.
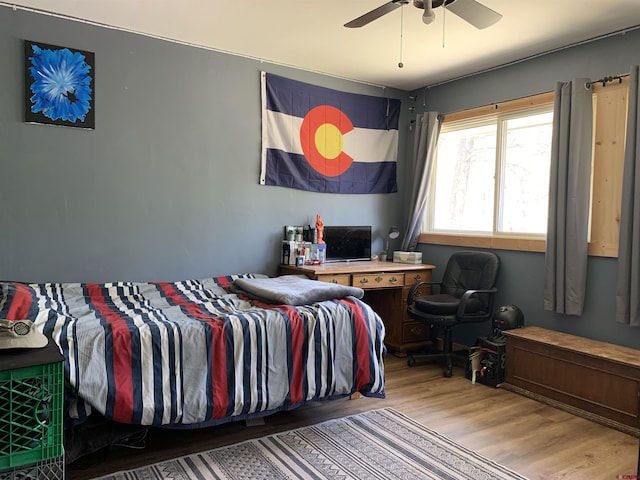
(427, 5)
(428, 16)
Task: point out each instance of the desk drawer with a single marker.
(420, 276)
(378, 280)
(339, 279)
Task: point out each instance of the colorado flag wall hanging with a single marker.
(323, 140)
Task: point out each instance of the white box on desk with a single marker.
(407, 257)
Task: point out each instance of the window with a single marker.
(492, 174)
(510, 227)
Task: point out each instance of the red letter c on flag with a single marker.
(321, 140)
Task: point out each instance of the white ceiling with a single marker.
(309, 34)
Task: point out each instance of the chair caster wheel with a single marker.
(411, 361)
(448, 372)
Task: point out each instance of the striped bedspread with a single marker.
(193, 354)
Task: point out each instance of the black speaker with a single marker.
(490, 358)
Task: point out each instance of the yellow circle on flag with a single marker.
(321, 140)
(328, 141)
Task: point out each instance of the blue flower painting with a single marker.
(59, 85)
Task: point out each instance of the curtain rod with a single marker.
(605, 80)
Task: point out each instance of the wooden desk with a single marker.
(386, 285)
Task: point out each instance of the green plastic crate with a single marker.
(31, 414)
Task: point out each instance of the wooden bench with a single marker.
(589, 378)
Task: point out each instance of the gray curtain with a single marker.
(424, 149)
(628, 286)
(569, 192)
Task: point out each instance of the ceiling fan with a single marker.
(471, 11)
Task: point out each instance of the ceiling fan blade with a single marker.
(475, 13)
(374, 14)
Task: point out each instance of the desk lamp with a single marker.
(394, 232)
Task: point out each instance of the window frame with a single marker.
(499, 121)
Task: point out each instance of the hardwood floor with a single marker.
(534, 439)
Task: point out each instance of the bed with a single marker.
(196, 353)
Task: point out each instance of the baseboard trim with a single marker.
(573, 410)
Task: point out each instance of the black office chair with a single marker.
(465, 295)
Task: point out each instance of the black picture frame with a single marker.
(59, 85)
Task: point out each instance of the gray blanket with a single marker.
(293, 290)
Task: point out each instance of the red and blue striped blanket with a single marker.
(192, 353)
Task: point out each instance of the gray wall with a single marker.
(521, 279)
(166, 186)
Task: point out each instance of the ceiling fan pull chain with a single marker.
(444, 16)
(400, 64)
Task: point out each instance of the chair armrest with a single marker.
(416, 286)
(467, 295)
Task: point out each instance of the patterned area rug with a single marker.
(380, 444)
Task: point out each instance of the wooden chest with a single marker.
(593, 379)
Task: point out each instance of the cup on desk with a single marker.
(322, 252)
